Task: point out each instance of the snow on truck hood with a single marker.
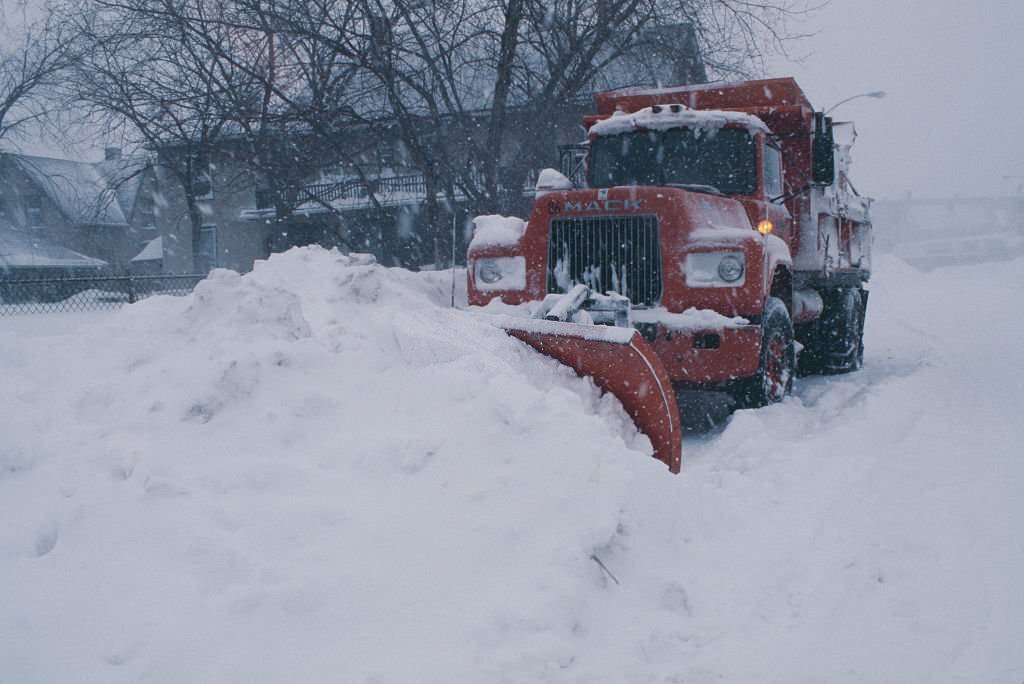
(675, 116)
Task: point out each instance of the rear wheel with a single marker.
(836, 343)
(774, 378)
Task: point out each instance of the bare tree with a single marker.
(34, 55)
(139, 81)
(298, 101)
(192, 76)
(475, 90)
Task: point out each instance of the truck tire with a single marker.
(836, 344)
(774, 378)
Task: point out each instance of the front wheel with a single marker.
(774, 378)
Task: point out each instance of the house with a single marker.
(64, 215)
(133, 182)
(223, 188)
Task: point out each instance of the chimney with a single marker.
(112, 153)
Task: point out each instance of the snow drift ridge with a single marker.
(317, 449)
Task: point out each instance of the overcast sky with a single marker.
(951, 121)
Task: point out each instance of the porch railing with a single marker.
(387, 188)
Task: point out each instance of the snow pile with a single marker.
(313, 472)
(318, 473)
(586, 330)
(690, 320)
(522, 317)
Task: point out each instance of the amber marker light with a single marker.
(765, 227)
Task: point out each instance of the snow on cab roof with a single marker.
(664, 117)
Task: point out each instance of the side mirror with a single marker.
(823, 156)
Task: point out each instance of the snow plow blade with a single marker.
(620, 362)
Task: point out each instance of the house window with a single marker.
(386, 154)
(34, 209)
(265, 198)
(206, 249)
(145, 214)
(202, 178)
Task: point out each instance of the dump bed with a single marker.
(779, 102)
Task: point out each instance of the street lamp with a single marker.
(876, 94)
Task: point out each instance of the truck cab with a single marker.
(738, 159)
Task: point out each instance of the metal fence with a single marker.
(57, 295)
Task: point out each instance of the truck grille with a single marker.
(607, 253)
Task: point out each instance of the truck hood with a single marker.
(679, 210)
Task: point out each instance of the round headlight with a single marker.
(730, 269)
(488, 271)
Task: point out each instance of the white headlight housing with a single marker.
(715, 269)
(500, 273)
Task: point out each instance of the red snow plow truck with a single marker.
(715, 243)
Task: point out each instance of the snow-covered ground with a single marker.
(317, 472)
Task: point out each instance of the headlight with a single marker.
(488, 272)
(730, 269)
(715, 269)
(500, 273)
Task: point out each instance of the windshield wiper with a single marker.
(696, 187)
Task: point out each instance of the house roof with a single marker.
(153, 251)
(21, 250)
(80, 190)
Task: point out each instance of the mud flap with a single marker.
(621, 362)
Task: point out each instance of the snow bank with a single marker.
(316, 472)
(868, 529)
(313, 472)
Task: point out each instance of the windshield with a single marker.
(721, 158)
